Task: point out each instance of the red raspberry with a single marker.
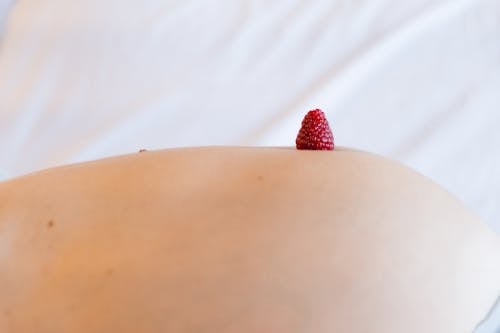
(315, 133)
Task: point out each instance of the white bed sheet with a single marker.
(418, 81)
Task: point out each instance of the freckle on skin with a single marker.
(260, 178)
(109, 272)
(50, 224)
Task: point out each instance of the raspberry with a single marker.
(315, 133)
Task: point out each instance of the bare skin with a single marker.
(243, 240)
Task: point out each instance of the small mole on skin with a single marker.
(260, 178)
(50, 224)
(109, 272)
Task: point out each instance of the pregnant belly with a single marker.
(241, 240)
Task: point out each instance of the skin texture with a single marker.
(243, 240)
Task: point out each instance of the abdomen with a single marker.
(241, 240)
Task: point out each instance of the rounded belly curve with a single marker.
(241, 240)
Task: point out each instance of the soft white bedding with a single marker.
(418, 81)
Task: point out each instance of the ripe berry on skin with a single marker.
(315, 133)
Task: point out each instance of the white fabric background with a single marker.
(418, 81)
